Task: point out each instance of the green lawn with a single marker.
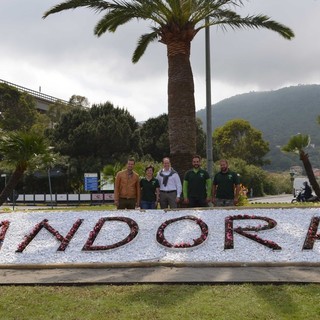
(246, 301)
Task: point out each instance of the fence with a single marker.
(65, 198)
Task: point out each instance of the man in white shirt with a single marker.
(170, 185)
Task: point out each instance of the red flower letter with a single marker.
(228, 244)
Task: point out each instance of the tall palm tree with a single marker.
(174, 23)
(18, 149)
(297, 144)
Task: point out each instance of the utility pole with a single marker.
(208, 101)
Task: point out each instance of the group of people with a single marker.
(166, 189)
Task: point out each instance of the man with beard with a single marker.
(127, 188)
(226, 186)
(197, 185)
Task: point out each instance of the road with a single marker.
(281, 198)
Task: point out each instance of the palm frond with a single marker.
(297, 143)
(235, 21)
(143, 43)
(96, 5)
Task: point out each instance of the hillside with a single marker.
(278, 114)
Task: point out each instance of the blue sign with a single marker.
(91, 182)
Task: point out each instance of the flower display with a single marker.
(134, 229)
(247, 231)
(203, 236)
(312, 234)
(4, 227)
(184, 236)
(45, 224)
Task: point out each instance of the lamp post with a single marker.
(292, 173)
(208, 101)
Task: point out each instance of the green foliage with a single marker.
(297, 143)
(17, 109)
(79, 101)
(170, 16)
(56, 110)
(279, 114)
(258, 181)
(93, 137)
(139, 167)
(237, 139)
(155, 138)
(277, 183)
(20, 150)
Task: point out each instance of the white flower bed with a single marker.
(290, 234)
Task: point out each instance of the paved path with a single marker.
(85, 276)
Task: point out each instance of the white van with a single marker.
(298, 184)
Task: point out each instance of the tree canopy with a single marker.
(18, 150)
(155, 138)
(96, 136)
(237, 139)
(17, 109)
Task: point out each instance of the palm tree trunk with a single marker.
(181, 107)
(304, 157)
(13, 181)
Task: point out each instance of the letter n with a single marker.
(44, 224)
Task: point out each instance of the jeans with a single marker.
(224, 202)
(147, 204)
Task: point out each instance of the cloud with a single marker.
(62, 55)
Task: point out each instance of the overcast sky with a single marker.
(62, 56)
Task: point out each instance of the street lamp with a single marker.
(208, 100)
(292, 173)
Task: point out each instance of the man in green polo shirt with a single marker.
(226, 186)
(197, 185)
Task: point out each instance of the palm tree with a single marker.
(19, 149)
(297, 144)
(174, 23)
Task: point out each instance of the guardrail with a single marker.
(64, 198)
(34, 93)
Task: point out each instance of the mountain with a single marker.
(278, 114)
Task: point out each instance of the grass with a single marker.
(155, 302)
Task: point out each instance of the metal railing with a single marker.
(34, 93)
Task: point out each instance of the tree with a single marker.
(93, 137)
(155, 138)
(175, 24)
(18, 149)
(237, 139)
(79, 101)
(17, 109)
(297, 144)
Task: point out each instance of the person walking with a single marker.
(197, 185)
(170, 185)
(149, 190)
(127, 188)
(226, 186)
